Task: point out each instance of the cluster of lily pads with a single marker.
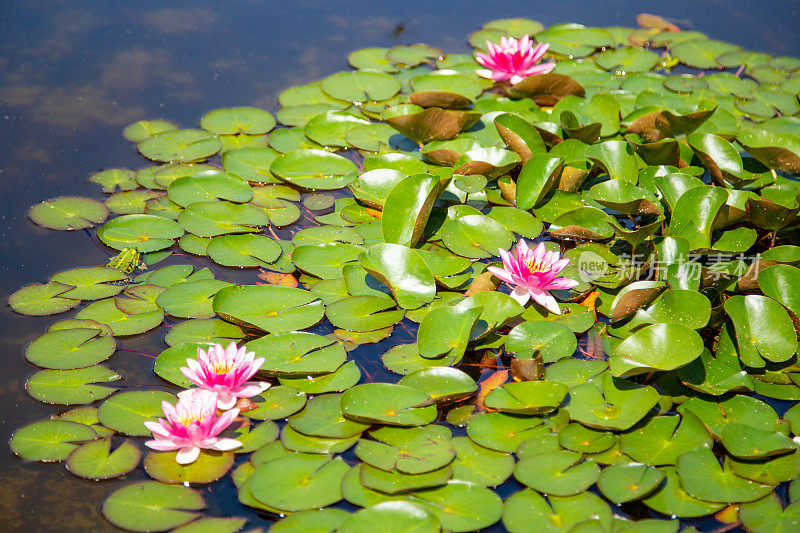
(650, 396)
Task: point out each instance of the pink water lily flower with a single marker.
(534, 273)
(225, 372)
(513, 60)
(190, 425)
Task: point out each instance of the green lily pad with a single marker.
(410, 450)
(191, 299)
(479, 465)
(143, 129)
(126, 412)
(95, 460)
(145, 233)
(403, 271)
(243, 250)
(661, 440)
(443, 384)
(475, 236)
(747, 442)
(672, 499)
(209, 219)
(69, 213)
(70, 348)
(560, 473)
(298, 353)
(656, 347)
(270, 308)
(326, 260)
(386, 403)
(627, 482)
(361, 86)
(503, 432)
(763, 328)
(318, 520)
(121, 323)
(313, 169)
(527, 397)
(407, 208)
(767, 514)
(396, 482)
(152, 506)
(321, 417)
(276, 403)
(249, 120)
(616, 405)
(180, 145)
(308, 481)
(552, 340)
(528, 512)
(704, 478)
(209, 185)
(395, 517)
(69, 387)
(42, 299)
(209, 330)
(363, 313)
(342, 379)
(461, 506)
(49, 440)
(445, 331)
(209, 466)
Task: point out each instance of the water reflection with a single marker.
(72, 73)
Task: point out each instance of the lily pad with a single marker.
(69, 213)
(49, 440)
(152, 506)
(386, 403)
(308, 481)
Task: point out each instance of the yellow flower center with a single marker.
(189, 417)
(222, 367)
(535, 266)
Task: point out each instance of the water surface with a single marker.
(72, 74)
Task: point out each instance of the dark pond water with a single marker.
(73, 73)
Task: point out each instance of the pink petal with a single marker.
(546, 300)
(539, 51)
(223, 421)
(520, 294)
(251, 388)
(162, 445)
(187, 455)
(225, 400)
(562, 283)
(500, 273)
(225, 445)
(542, 68)
(158, 428)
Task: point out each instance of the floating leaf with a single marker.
(250, 120)
(42, 299)
(269, 308)
(209, 466)
(152, 506)
(308, 481)
(70, 348)
(70, 387)
(95, 460)
(49, 440)
(126, 412)
(298, 353)
(385, 403)
(180, 145)
(69, 213)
